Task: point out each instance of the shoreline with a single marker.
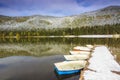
(67, 36)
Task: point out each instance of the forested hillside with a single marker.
(103, 21)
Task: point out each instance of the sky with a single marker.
(52, 7)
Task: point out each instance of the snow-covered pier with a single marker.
(101, 66)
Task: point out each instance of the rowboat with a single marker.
(79, 52)
(81, 48)
(76, 57)
(89, 46)
(69, 67)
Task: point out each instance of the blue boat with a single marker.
(66, 72)
(69, 67)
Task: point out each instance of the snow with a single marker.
(95, 36)
(102, 63)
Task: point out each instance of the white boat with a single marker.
(90, 46)
(79, 52)
(81, 48)
(76, 57)
(69, 67)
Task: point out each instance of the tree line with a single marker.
(88, 30)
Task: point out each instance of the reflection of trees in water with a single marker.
(77, 41)
(49, 46)
(116, 53)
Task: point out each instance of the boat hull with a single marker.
(76, 57)
(79, 53)
(66, 72)
(69, 67)
(81, 48)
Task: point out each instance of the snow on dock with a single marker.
(102, 66)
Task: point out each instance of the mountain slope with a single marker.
(108, 15)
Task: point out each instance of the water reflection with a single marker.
(49, 46)
(33, 58)
(28, 68)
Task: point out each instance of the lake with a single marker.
(34, 58)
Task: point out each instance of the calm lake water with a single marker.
(33, 58)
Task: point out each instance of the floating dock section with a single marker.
(101, 66)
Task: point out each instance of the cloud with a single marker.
(52, 7)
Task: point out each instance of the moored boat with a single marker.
(81, 48)
(79, 52)
(76, 57)
(69, 67)
(90, 46)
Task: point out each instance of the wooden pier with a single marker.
(101, 66)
